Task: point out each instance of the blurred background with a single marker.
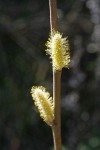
(24, 30)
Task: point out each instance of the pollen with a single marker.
(44, 103)
(58, 49)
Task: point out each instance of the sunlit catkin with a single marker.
(44, 103)
(58, 49)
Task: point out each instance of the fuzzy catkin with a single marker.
(58, 49)
(44, 103)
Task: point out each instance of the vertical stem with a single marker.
(53, 14)
(56, 129)
(57, 111)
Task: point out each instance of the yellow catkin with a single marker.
(44, 103)
(58, 49)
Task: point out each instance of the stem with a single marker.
(53, 14)
(56, 129)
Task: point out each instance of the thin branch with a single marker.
(56, 129)
(57, 110)
(53, 14)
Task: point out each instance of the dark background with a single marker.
(24, 30)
